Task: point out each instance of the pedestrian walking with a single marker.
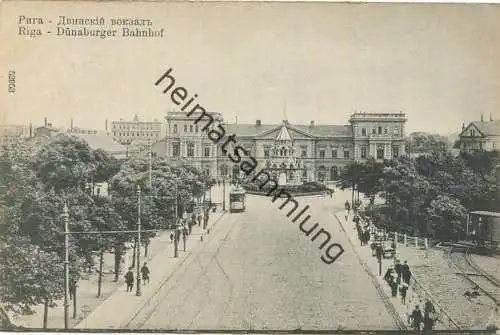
(72, 289)
(406, 273)
(193, 222)
(129, 279)
(388, 276)
(430, 316)
(398, 267)
(347, 205)
(403, 289)
(416, 318)
(145, 273)
(394, 284)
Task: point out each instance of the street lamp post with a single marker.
(66, 266)
(176, 239)
(150, 168)
(176, 202)
(138, 253)
(224, 193)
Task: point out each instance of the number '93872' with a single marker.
(12, 82)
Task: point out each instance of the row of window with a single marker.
(303, 153)
(378, 130)
(380, 153)
(128, 133)
(176, 150)
(334, 154)
(136, 127)
(191, 128)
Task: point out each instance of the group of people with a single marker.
(398, 277)
(428, 318)
(129, 276)
(186, 224)
(363, 231)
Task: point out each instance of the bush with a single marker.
(310, 187)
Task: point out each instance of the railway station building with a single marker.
(301, 152)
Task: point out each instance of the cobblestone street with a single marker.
(259, 271)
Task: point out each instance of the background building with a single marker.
(480, 135)
(10, 134)
(96, 139)
(126, 132)
(298, 152)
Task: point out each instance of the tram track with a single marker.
(398, 320)
(461, 261)
(185, 263)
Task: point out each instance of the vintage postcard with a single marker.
(249, 166)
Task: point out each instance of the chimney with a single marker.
(71, 126)
(463, 125)
(258, 123)
(482, 119)
(106, 126)
(312, 124)
(45, 122)
(491, 117)
(31, 130)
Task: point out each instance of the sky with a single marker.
(437, 63)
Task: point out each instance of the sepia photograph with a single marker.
(249, 167)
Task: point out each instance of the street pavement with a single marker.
(117, 309)
(259, 271)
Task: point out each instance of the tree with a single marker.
(43, 175)
(29, 277)
(421, 142)
(447, 217)
(66, 162)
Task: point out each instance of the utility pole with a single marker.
(138, 291)
(150, 168)
(176, 202)
(66, 266)
(224, 193)
(204, 194)
(176, 238)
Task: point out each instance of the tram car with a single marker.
(237, 199)
(483, 228)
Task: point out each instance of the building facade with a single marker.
(126, 132)
(480, 135)
(292, 153)
(10, 134)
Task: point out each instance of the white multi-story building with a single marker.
(126, 132)
(301, 152)
(9, 134)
